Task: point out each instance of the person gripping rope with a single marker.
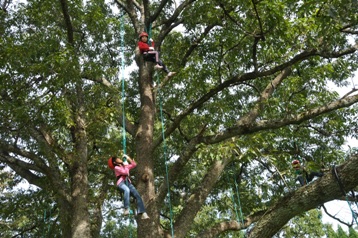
(121, 169)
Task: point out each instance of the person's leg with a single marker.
(164, 67)
(126, 192)
(155, 55)
(149, 57)
(301, 180)
(314, 174)
(140, 203)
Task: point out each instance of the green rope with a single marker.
(123, 88)
(354, 215)
(48, 226)
(238, 200)
(44, 230)
(124, 140)
(236, 204)
(165, 155)
(335, 173)
(149, 31)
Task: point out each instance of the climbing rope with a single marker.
(237, 204)
(124, 139)
(149, 32)
(165, 155)
(48, 226)
(354, 215)
(238, 201)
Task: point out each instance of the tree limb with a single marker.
(245, 127)
(68, 22)
(335, 218)
(176, 169)
(222, 227)
(197, 199)
(306, 198)
(195, 44)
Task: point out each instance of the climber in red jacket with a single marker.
(150, 54)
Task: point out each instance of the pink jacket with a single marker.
(123, 171)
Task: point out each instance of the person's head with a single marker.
(116, 161)
(143, 36)
(296, 164)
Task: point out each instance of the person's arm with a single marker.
(152, 45)
(120, 170)
(131, 162)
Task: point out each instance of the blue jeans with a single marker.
(128, 189)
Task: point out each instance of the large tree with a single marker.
(252, 92)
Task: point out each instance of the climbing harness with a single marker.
(165, 154)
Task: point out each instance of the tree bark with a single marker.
(144, 153)
(306, 198)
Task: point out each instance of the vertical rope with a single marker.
(335, 173)
(238, 200)
(46, 219)
(165, 156)
(149, 32)
(236, 204)
(124, 141)
(44, 229)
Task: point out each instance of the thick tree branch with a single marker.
(222, 227)
(233, 81)
(306, 198)
(176, 169)
(157, 11)
(178, 11)
(130, 8)
(172, 22)
(195, 44)
(259, 20)
(267, 92)
(130, 127)
(25, 170)
(68, 22)
(197, 199)
(244, 127)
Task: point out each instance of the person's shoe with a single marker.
(171, 74)
(144, 216)
(157, 66)
(126, 212)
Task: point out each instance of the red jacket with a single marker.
(144, 47)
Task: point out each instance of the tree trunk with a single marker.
(80, 226)
(144, 152)
(65, 215)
